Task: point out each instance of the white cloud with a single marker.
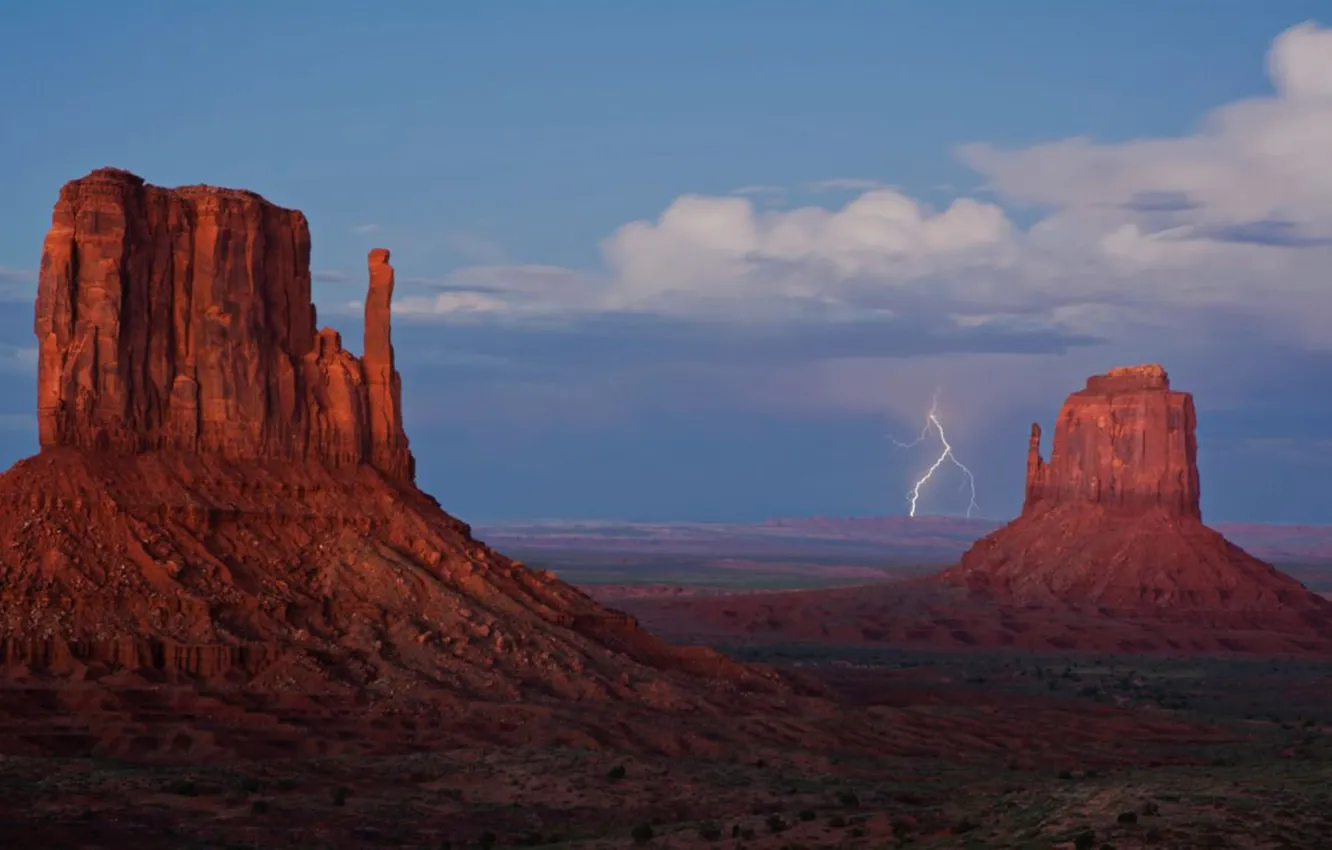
(365, 229)
(705, 249)
(1149, 234)
(1262, 159)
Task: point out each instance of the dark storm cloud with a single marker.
(1161, 202)
(1275, 233)
(623, 340)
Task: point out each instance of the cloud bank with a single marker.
(1233, 217)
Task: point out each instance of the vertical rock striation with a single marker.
(181, 319)
(1125, 443)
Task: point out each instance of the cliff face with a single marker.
(1112, 521)
(181, 319)
(1125, 443)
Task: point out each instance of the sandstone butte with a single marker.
(1112, 523)
(224, 494)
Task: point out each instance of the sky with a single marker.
(709, 260)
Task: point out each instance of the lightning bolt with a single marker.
(932, 423)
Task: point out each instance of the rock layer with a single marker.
(1112, 521)
(181, 319)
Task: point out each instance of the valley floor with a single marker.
(995, 751)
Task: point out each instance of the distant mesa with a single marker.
(1110, 554)
(1112, 520)
(226, 495)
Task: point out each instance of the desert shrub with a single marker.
(735, 830)
(642, 833)
(616, 773)
(487, 840)
(1128, 817)
(1065, 774)
(1085, 841)
(710, 832)
(1150, 808)
(776, 824)
(856, 832)
(964, 826)
(251, 785)
(747, 834)
(848, 799)
(340, 795)
(837, 821)
(259, 807)
(807, 814)
(285, 784)
(185, 788)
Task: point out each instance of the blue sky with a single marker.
(701, 260)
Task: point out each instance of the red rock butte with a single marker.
(224, 493)
(1112, 521)
(181, 319)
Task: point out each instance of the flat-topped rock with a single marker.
(1112, 522)
(182, 319)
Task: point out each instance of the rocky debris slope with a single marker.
(225, 495)
(1112, 521)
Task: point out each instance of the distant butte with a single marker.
(1110, 554)
(1112, 520)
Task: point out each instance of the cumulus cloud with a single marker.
(704, 250)
(1236, 216)
(1261, 159)
(1149, 248)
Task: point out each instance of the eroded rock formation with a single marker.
(224, 492)
(181, 319)
(1125, 443)
(1112, 521)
